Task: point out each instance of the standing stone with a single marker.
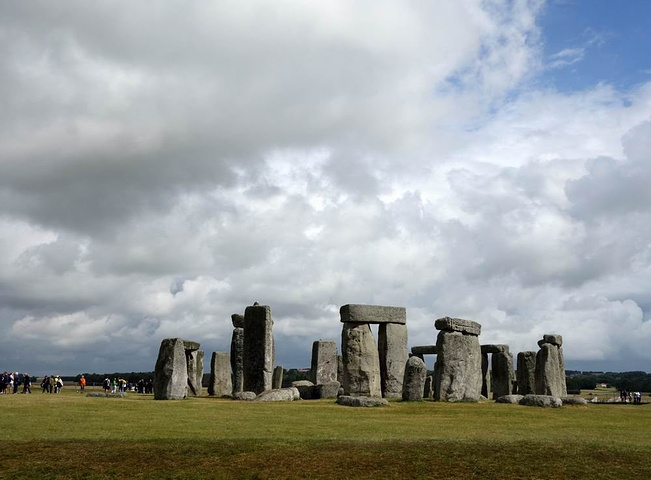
(563, 380)
(195, 371)
(221, 384)
(237, 360)
(428, 391)
(394, 352)
(277, 380)
(258, 349)
(171, 371)
(526, 373)
(457, 372)
(414, 381)
(549, 379)
(485, 375)
(502, 374)
(340, 369)
(361, 372)
(324, 362)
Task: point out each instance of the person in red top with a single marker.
(82, 383)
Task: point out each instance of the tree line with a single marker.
(629, 381)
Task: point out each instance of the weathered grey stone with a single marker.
(554, 339)
(171, 371)
(190, 345)
(245, 396)
(485, 375)
(306, 392)
(458, 325)
(428, 391)
(238, 320)
(361, 361)
(541, 401)
(372, 314)
(258, 349)
(327, 390)
(457, 372)
(493, 348)
(237, 359)
(424, 350)
(550, 373)
(195, 371)
(324, 362)
(349, 401)
(502, 374)
(526, 373)
(574, 401)
(414, 382)
(279, 395)
(509, 398)
(340, 369)
(277, 379)
(394, 352)
(302, 383)
(221, 383)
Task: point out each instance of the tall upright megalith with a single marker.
(394, 352)
(390, 355)
(526, 373)
(413, 386)
(550, 367)
(485, 374)
(171, 371)
(361, 373)
(324, 362)
(502, 373)
(237, 353)
(194, 359)
(220, 384)
(258, 349)
(457, 373)
(277, 378)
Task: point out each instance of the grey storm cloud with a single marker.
(163, 166)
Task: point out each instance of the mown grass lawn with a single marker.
(74, 436)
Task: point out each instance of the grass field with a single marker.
(73, 436)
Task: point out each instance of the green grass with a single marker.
(73, 436)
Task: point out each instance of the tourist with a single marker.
(114, 385)
(82, 383)
(58, 384)
(45, 384)
(27, 383)
(623, 395)
(17, 382)
(3, 383)
(106, 384)
(10, 383)
(51, 384)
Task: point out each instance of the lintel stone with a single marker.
(494, 348)
(424, 350)
(458, 325)
(190, 345)
(353, 313)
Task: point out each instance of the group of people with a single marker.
(630, 397)
(12, 381)
(121, 385)
(52, 384)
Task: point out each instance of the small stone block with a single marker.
(353, 313)
(238, 320)
(190, 345)
(554, 339)
(349, 401)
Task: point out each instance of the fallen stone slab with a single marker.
(494, 348)
(509, 399)
(458, 325)
(424, 350)
(245, 396)
(349, 401)
(279, 395)
(541, 401)
(327, 390)
(354, 313)
(574, 401)
(302, 383)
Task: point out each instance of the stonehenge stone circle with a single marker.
(361, 362)
(277, 379)
(394, 352)
(550, 367)
(526, 373)
(221, 384)
(237, 359)
(502, 373)
(171, 371)
(258, 349)
(414, 382)
(324, 362)
(353, 313)
(349, 401)
(457, 372)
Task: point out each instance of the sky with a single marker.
(163, 166)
